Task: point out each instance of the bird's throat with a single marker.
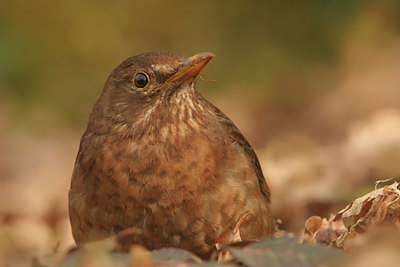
(180, 113)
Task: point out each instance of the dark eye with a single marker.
(141, 80)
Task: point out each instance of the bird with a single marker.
(159, 158)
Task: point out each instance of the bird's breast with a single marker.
(168, 167)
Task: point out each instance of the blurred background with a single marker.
(313, 85)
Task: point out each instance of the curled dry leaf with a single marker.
(229, 236)
(322, 231)
(381, 206)
(374, 207)
(311, 228)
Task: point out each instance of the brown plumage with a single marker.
(158, 157)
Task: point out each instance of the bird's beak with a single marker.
(190, 68)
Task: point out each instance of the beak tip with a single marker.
(207, 54)
(191, 67)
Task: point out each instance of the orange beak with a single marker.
(191, 67)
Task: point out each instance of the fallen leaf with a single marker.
(380, 206)
(229, 236)
(322, 231)
(283, 251)
(311, 227)
(173, 256)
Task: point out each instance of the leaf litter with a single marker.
(378, 207)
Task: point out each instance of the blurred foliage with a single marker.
(56, 55)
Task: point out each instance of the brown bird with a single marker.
(159, 158)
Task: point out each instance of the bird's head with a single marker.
(142, 82)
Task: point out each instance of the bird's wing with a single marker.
(236, 136)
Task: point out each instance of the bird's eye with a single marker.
(141, 79)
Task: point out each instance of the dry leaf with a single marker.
(374, 205)
(230, 236)
(174, 257)
(380, 206)
(311, 228)
(284, 251)
(322, 231)
(330, 230)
